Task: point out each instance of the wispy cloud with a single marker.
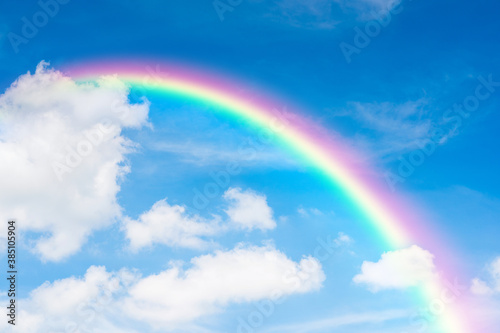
(203, 154)
(367, 9)
(324, 14)
(306, 212)
(387, 130)
(308, 14)
(333, 322)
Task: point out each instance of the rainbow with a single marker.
(390, 219)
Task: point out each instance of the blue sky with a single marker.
(385, 100)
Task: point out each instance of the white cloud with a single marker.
(492, 285)
(71, 292)
(249, 210)
(480, 287)
(169, 225)
(76, 304)
(244, 274)
(62, 159)
(173, 226)
(120, 301)
(397, 269)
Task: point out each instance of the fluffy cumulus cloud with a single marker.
(74, 304)
(104, 301)
(64, 156)
(173, 226)
(244, 274)
(492, 284)
(397, 269)
(169, 225)
(249, 210)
